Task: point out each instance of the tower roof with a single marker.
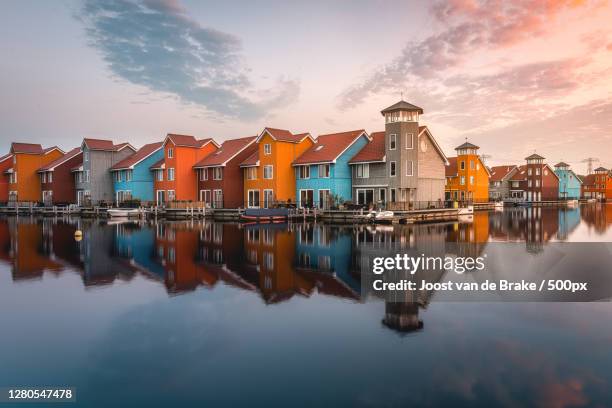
(402, 105)
(562, 164)
(467, 145)
(534, 157)
(601, 169)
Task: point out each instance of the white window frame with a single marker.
(170, 171)
(268, 201)
(271, 167)
(215, 194)
(217, 173)
(365, 171)
(462, 181)
(324, 170)
(128, 175)
(251, 198)
(204, 174)
(170, 195)
(86, 155)
(87, 176)
(409, 146)
(409, 166)
(50, 177)
(170, 152)
(160, 175)
(471, 180)
(267, 149)
(392, 141)
(251, 173)
(392, 166)
(304, 172)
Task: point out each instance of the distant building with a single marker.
(569, 183)
(6, 163)
(24, 182)
(499, 182)
(535, 181)
(467, 177)
(598, 185)
(132, 176)
(57, 180)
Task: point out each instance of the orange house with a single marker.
(269, 175)
(175, 179)
(6, 162)
(24, 182)
(467, 178)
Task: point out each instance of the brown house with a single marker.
(535, 181)
(220, 178)
(57, 181)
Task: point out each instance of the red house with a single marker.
(220, 178)
(535, 181)
(598, 185)
(6, 162)
(57, 180)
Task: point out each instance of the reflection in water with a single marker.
(277, 261)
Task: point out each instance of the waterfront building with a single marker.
(535, 181)
(57, 180)
(499, 182)
(132, 176)
(6, 162)
(94, 182)
(220, 177)
(323, 174)
(598, 185)
(369, 172)
(24, 184)
(569, 183)
(467, 177)
(174, 177)
(269, 177)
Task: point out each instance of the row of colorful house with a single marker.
(402, 167)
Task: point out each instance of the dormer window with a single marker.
(319, 148)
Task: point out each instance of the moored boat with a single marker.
(123, 212)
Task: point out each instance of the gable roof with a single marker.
(467, 145)
(589, 180)
(228, 150)
(188, 140)
(451, 168)
(521, 173)
(424, 129)
(534, 156)
(252, 160)
(562, 164)
(52, 165)
(372, 152)
(105, 145)
(329, 147)
(498, 173)
(601, 169)
(132, 160)
(26, 148)
(52, 148)
(5, 157)
(158, 165)
(283, 135)
(402, 105)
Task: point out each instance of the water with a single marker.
(206, 314)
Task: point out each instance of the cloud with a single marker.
(471, 26)
(154, 43)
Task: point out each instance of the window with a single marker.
(471, 180)
(392, 171)
(538, 171)
(323, 170)
(160, 175)
(529, 171)
(43, 177)
(217, 173)
(362, 170)
(251, 173)
(203, 174)
(267, 149)
(462, 165)
(472, 164)
(409, 142)
(409, 168)
(304, 172)
(392, 141)
(171, 195)
(86, 155)
(218, 198)
(170, 152)
(171, 255)
(393, 195)
(268, 261)
(253, 197)
(50, 177)
(537, 183)
(171, 174)
(117, 175)
(529, 184)
(87, 176)
(268, 172)
(128, 175)
(462, 181)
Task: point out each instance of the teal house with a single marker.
(322, 173)
(132, 176)
(569, 183)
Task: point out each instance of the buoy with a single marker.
(78, 235)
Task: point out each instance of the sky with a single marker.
(512, 77)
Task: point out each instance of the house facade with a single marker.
(6, 163)
(535, 181)
(24, 184)
(269, 177)
(499, 182)
(174, 177)
(598, 185)
(57, 180)
(369, 179)
(323, 173)
(569, 182)
(94, 182)
(132, 176)
(220, 177)
(467, 177)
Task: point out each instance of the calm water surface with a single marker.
(207, 314)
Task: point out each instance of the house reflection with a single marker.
(597, 216)
(533, 225)
(469, 239)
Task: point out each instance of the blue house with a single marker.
(132, 176)
(569, 183)
(323, 174)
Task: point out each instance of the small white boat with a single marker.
(465, 219)
(499, 204)
(592, 200)
(123, 212)
(380, 216)
(572, 203)
(466, 210)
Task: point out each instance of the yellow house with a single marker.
(269, 177)
(467, 177)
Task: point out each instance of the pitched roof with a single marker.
(562, 164)
(103, 144)
(434, 142)
(329, 147)
(467, 145)
(534, 156)
(52, 165)
(589, 180)
(188, 140)
(144, 152)
(27, 148)
(252, 160)
(283, 135)
(451, 167)
(50, 149)
(402, 105)
(601, 169)
(521, 174)
(374, 151)
(158, 165)
(5, 157)
(228, 150)
(498, 173)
